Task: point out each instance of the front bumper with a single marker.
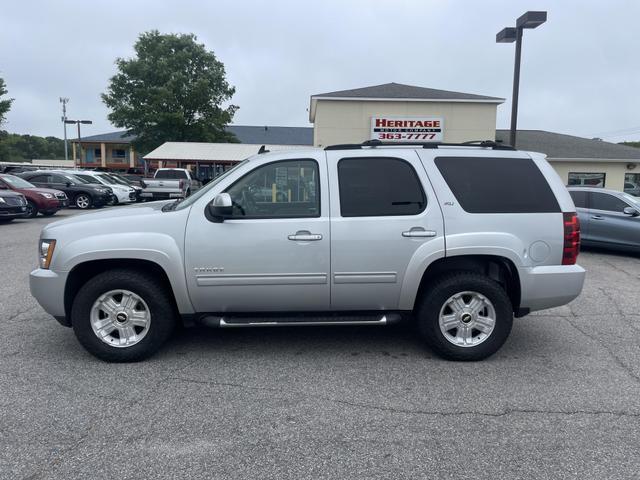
(47, 287)
(550, 286)
(12, 211)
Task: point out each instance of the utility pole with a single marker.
(64, 101)
(78, 122)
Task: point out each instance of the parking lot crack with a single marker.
(617, 360)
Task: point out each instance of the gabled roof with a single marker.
(272, 135)
(561, 146)
(244, 133)
(400, 92)
(120, 136)
(212, 152)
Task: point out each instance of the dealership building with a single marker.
(392, 113)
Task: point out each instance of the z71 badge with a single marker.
(208, 269)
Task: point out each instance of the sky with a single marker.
(580, 70)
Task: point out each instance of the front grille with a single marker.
(15, 201)
(61, 196)
(132, 196)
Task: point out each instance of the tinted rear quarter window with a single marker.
(498, 185)
(579, 198)
(379, 186)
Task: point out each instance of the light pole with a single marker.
(64, 101)
(510, 35)
(78, 122)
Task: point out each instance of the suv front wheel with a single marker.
(465, 316)
(123, 316)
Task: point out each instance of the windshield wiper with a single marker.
(171, 206)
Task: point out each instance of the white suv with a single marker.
(458, 238)
(122, 193)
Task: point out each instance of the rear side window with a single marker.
(497, 185)
(579, 198)
(604, 201)
(379, 186)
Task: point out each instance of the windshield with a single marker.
(635, 201)
(16, 182)
(88, 178)
(75, 179)
(117, 179)
(203, 191)
(104, 178)
(169, 174)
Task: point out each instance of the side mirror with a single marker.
(220, 208)
(630, 211)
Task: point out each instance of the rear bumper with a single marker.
(550, 286)
(48, 289)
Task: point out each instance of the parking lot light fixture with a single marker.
(531, 19)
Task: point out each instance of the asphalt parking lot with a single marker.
(560, 400)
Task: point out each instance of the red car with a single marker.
(39, 200)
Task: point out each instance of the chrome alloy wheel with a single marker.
(467, 319)
(82, 201)
(120, 318)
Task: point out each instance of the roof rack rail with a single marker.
(377, 143)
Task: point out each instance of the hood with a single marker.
(9, 193)
(41, 190)
(126, 215)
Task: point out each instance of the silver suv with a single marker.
(458, 238)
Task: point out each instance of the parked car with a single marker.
(12, 205)
(121, 193)
(120, 180)
(632, 189)
(46, 201)
(608, 218)
(80, 193)
(169, 183)
(13, 169)
(449, 237)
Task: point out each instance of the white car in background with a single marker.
(122, 193)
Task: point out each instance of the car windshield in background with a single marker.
(106, 178)
(88, 179)
(631, 199)
(171, 174)
(118, 180)
(16, 181)
(76, 179)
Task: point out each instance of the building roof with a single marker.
(272, 135)
(211, 152)
(400, 92)
(561, 146)
(120, 136)
(245, 134)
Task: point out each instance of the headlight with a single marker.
(2, 200)
(101, 190)
(46, 195)
(46, 252)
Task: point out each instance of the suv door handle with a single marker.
(597, 217)
(305, 236)
(419, 232)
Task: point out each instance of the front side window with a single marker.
(88, 179)
(379, 186)
(286, 189)
(579, 179)
(40, 178)
(606, 202)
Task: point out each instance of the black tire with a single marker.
(83, 201)
(436, 295)
(32, 210)
(153, 292)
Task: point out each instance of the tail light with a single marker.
(571, 246)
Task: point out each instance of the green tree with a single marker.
(5, 105)
(172, 90)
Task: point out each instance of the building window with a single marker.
(119, 153)
(97, 152)
(578, 179)
(632, 184)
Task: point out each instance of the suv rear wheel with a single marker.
(465, 316)
(123, 316)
